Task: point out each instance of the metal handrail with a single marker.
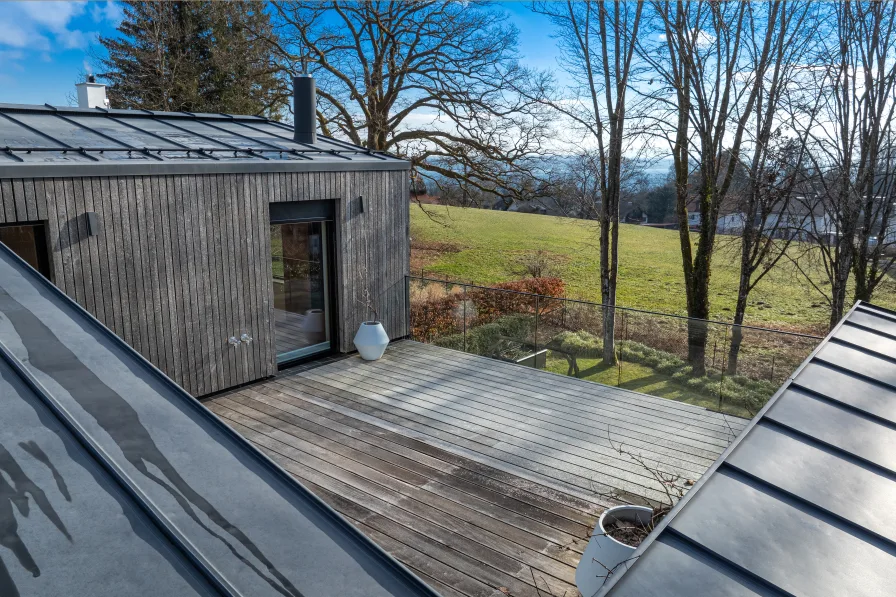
(616, 307)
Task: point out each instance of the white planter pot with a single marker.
(604, 552)
(371, 340)
(314, 321)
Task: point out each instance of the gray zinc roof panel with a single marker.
(237, 520)
(30, 137)
(63, 131)
(126, 134)
(802, 502)
(68, 527)
(199, 127)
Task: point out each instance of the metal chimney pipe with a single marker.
(304, 98)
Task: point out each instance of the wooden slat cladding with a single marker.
(182, 263)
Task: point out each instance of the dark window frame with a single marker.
(323, 210)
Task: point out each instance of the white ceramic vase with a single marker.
(371, 340)
(603, 552)
(314, 321)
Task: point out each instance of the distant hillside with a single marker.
(483, 246)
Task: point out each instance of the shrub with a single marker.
(493, 303)
(749, 394)
(433, 318)
(500, 338)
(454, 341)
(535, 264)
(580, 344)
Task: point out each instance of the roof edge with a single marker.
(667, 520)
(152, 168)
(350, 531)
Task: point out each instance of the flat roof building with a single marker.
(219, 246)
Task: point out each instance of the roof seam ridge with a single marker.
(827, 516)
(858, 347)
(870, 329)
(827, 447)
(819, 360)
(855, 410)
(704, 553)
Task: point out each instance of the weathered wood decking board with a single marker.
(476, 474)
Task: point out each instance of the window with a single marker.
(300, 266)
(28, 241)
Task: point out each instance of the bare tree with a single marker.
(598, 43)
(851, 141)
(707, 84)
(437, 82)
(774, 158)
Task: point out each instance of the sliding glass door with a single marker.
(301, 283)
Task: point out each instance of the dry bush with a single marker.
(535, 264)
(492, 304)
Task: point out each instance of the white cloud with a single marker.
(106, 11)
(54, 16)
(48, 26)
(12, 59)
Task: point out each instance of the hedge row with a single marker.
(500, 337)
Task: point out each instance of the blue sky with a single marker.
(45, 46)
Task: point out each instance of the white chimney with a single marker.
(92, 94)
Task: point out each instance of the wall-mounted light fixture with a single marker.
(93, 223)
(360, 204)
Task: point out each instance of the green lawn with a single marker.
(639, 378)
(482, 246)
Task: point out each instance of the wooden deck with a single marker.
(480, 476)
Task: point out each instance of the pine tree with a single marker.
(201, 56)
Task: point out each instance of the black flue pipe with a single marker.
(304, 98)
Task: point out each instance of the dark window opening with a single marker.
(28, 241)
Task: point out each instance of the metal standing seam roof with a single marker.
(114, 481)
(48, 141)
(802, 503)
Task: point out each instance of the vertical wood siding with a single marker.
(182, 263)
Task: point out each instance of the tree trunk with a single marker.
(838, 301)
(609, 243)
(862, 260)
(698, 311)
(609, 321)
(737, 332)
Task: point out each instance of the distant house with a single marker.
(804, 220)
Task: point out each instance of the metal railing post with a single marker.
(465, 317)
(536, 324)
(407, 305)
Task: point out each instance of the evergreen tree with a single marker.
(201, 56)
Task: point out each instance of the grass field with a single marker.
(483, 247)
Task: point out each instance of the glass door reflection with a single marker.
(301, 281)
